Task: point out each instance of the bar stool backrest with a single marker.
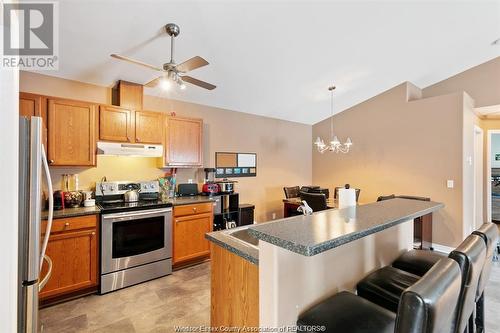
(470, 256)
(489, 233)
(429, 306)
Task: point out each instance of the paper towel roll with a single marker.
(347, 197)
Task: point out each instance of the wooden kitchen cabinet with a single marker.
(73, 249)
(72, 127)
(115, 124)
(183, 142)
(189, 232)
(34, 105)
(148, 127)
(30, 105)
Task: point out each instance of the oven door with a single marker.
(135, 238)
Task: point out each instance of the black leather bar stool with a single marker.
(385, 285)
(420, 261)
(428, 306)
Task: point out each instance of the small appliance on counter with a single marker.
(187, 190)
(226, 185)
(136, 236)
(209, 186)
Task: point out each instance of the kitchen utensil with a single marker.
(72, 199)
(87, 195)
(131, 196)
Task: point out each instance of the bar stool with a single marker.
(428, 306)
(420, 261)
(385, 285)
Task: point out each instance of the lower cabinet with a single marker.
(73, 249)
(191, 223)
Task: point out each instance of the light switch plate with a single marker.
(450, 183)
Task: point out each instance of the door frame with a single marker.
(478, 156)
(488, 172)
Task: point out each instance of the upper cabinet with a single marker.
(183, 142)
(72, 127)
(30, 105)
(34, 105)
(115, 124)
(148, 127)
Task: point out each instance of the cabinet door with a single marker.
(74, 262)
(183, 146)
(115, 124)
(189, 237)
(30, 104)
(148, 127)
(34, 105)
(72, 132)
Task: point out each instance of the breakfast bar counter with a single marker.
(325, 230)
(284, 267)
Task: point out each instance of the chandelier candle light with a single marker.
(335, 144)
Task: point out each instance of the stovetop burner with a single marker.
(113, 206)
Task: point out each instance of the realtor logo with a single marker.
(30, 35)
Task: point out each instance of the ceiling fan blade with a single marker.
(198, 83)
(140, 63)
(153, 82)
(190, 64)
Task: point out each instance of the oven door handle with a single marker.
(135, 214)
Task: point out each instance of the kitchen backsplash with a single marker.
(120, 168)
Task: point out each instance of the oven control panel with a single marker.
(120, 187)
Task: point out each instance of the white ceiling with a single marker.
(277, 58)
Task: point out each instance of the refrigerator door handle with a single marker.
(51, 207)
(47, 276)
(35, 189)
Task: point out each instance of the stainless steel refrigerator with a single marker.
(32, 164)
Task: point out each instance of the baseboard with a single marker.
(442, 248)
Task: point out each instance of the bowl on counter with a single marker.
(73, 199)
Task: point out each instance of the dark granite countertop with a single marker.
(178, 201)
(325, 230)
(234, 245)
(72, 212)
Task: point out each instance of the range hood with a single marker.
(129, 149)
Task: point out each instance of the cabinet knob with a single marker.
(194, 208)
(137, 139)
(66, 224)
(93, 233)
(50, 161)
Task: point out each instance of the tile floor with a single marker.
(182, 299)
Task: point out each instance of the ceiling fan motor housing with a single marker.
(172, 29)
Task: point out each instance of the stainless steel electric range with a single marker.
(136, 236)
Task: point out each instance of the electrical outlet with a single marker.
(273, 216)
(450, 183)
(190, 181)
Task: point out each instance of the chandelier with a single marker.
(335, 144)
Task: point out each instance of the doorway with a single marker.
(493, 176)
(478, 206)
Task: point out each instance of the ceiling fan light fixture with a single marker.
(165, 84)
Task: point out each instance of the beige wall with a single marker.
(402, 145)
(283, 148)
(481, 82)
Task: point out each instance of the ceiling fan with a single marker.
(172, 72)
